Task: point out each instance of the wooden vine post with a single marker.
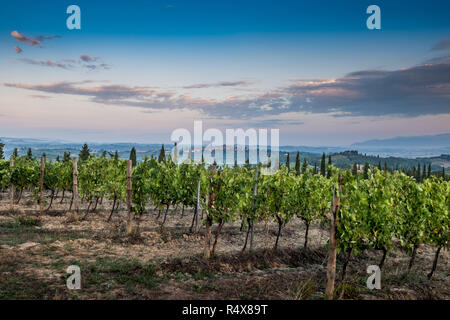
(197, 206)
(41, 198)
(75, 184)
(11, 189)
(209, 221)
(331, 266)
(129, 195)
(255, 191)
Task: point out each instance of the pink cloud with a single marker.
(17, 49)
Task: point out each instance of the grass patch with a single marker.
(25, 230)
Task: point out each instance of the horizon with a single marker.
(64, 141)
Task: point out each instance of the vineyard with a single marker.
(212, 216)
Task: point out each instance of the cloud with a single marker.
(47, 63)
(419, 90)
(409, 92)
(93, 63)
(33, 41)
(39, 96)
(96, 63)
(217, 84)
(442, 45)
(17, 49)
(86, 58)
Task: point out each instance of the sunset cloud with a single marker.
(217, 84)
(409, 92)
(47, 63)
(17, 49)
(33, 41)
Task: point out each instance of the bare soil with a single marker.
(166, 262)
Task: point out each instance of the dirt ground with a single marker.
(166, 262)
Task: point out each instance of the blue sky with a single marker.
(139, 69)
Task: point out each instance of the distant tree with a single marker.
(329, 166)
(385, 167)
(247, 163)
(322, 165)
(315, 168)
(418, 172)
(424, 172)
(85, 153)
(104, 154)
(58, 159)
(288, 165)
(2, 155)
(133, 156)
(162, 155)
(29, 154)
(443, 172)
(297, 163)
(355, 169)
(379, 165)
(304, 166)
(116, 155)
(429, 170)
(66, 157)
(366, 171)
(15, 153)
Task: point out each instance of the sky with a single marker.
(139, 69)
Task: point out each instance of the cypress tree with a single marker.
(329, 166)
(322, 165)
(429, 170)
(418, 172)
(355, 169)
(385, 167)
(2, 155)
(29, 154)
(304, 166)
(315, 168)
(366, 170)
(57, 158)
(379, 165)
(85, 152)
(424, 172)
(297, 163)
(15, 153)
(66, 157)
(162, 155)
(247, 163)
(443, 172)
(288, 165)
(104, 154)
(116, 155)
(133, 156)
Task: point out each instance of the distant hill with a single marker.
(410, 147)
(440, 140)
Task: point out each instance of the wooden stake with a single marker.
(255, 190)
(129, 195)
(11, 202)
(75, 184)
(209, 220)
(331, 267)
(41, 198)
